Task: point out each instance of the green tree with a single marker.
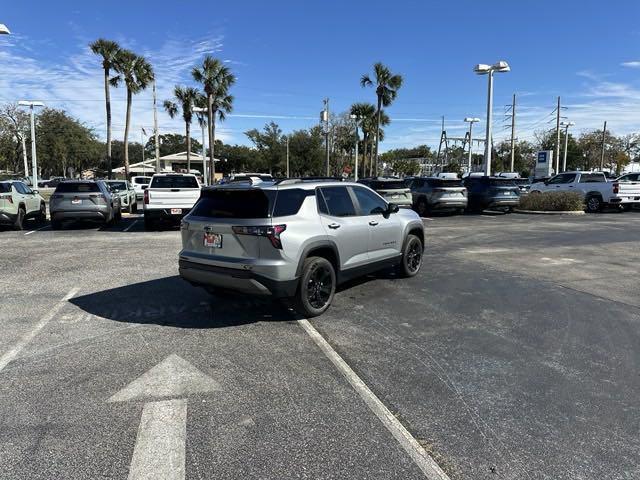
(369, 128)
(216, 80)
(137, 74)
(170, 143)
(14, 128)
(185, 99)
(108, 51)
(405, 167)
(271, 145)
(387, 85)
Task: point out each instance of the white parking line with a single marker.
(418, 454)
(36, 230)
(130, 226)
(8, 357)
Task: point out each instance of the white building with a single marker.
(176, 162)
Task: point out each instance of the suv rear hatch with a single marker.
(6, 198)
(76, 196)
(448, 189)
(504, 188)
(393, 191)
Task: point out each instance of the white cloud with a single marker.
(632, 64)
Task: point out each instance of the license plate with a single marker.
(76, 201)
(507, 193)
(212, 240)
(176, 211)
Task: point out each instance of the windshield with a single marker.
(174, 181)
(118, 185)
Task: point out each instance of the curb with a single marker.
(542, 212)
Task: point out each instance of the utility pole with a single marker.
(34, 159)
(24, 157)
(287, 156)
(155, 129)
(325, 118)
(142, 132)
(513, 133)
(558, 137)
(604, 133)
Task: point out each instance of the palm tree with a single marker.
(185, 99)
(137, 74)
(368, 120)
(108, 50)
(387, 86)
(216, 79)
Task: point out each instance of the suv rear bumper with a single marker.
(101, 215)
(243, 281)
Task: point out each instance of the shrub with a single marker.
(553, 202)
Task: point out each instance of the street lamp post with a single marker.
(470, 121)
(356, 118)
(483, 69)
(566, 126)
(203, 111)
(34, 160)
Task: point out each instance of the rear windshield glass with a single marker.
(502, 182)
(440, 182)
(5, 187)
(222, 203)
(174, 182)
(142, 180)
(389, 185)
(118, 185)
(77, 187)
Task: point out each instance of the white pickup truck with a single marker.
(169, 197)
(595, 189)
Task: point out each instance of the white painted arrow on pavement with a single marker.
(160, 445)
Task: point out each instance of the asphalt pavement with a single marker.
(513, 355)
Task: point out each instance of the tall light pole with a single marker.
(203, 124)
(483, 69)
(34, 160)
(566, 126)
(470, 121)
(287, 156)
(324, 118)
(356, 119)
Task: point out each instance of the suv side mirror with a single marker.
(393, 208)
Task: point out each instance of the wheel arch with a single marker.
(322, 248)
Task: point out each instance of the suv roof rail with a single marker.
(292, 180)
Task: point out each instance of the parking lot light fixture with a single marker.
(4, 30)
(484, 69)
(34, 160)
(470, 121)
(566, 126)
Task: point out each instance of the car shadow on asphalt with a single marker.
(172, 302)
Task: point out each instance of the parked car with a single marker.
(18, 202)
(128, 199)
(140, 183)
(433, 194)
(393, 190)
(51, 183)
(629, 177)
(295, 240)
(248, 177)
(169, 197)
(83, 200)
(595, 189)
(491, 192)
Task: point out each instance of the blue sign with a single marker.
(542, 157)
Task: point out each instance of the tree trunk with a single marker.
(107, 97)
(126, 136)
(212, 172)
(188, 132)
(364, 154)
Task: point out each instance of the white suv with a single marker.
(18, 203)
(296, 239)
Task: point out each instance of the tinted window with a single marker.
(118, 185)
(142, 180)
(289, 201)
(221, 203)
(592, 177)
(322, 205)
(5, 187)
(338, 201)
(439, 182)
(507, 182)
(172, 181)
(370, 203)
(19, 186)
(77, 187)
(388, 185)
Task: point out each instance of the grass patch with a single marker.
(553, 202)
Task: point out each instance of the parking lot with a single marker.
(512, 355)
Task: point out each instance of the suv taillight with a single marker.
(9, 198)
(272, 233)
(146, 197)
(616, 187)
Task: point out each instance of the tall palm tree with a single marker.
(364, 112)
(185, 99)
(216, 80)
(108, 50)
(137, 74)
(387, 85)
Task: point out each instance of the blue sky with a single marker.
(289, 55)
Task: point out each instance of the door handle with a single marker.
(334, 225)
(373, 223)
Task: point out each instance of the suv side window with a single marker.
(370, 203)
(338, 201)
(289, 201)
(20, 188)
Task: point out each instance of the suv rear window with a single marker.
(174, 181)
(222, 203)
(77, 187)
(499, 182)
(5, 187)
(142, 180)
(440, 182)
(388, 185)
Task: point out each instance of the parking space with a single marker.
(512, 355)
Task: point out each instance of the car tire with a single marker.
(412, 254)
(316, 288)
(149, 225)
(594, 204)
(134, 208)
(42, 216)
(18, 223)
(56, 224)
(422, 208)
(117, 215)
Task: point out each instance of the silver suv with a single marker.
(295, 239)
